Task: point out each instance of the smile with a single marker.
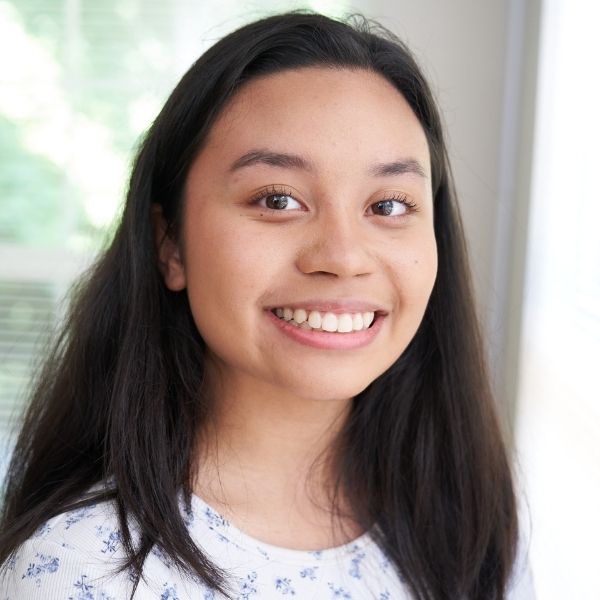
(326, 321)
(347, 330)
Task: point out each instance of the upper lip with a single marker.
(338, 306)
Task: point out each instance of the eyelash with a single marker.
(271, 191)
(410, 206)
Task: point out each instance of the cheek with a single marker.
(414, 271)
(219, 285)
(227, 271)
(426, 267)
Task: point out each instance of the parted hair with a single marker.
(120, 396)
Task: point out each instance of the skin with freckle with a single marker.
(238, 258)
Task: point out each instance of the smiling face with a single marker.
(311, 199)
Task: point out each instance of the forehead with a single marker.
(329, 114)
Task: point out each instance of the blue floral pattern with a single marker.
(75, 516)
(247, 587)
(214, 519)
(169, 592)
(82, 551)
(45, 564)
(309, 572)
(85, 591)
(164, 558)
(188, 515)
(110, 539)
(339, 592)
(355, 562)
(284, 585)
(43, 531)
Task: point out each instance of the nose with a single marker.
(336, 246)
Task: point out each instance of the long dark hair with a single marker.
(120, 397)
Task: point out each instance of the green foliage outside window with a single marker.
(84, 81)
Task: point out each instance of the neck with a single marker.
(265, 450)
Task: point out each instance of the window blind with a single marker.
(27, 312)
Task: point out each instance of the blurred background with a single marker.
(518, 82)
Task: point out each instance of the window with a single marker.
(559, 418)
(82, 82)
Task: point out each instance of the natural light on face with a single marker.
(310, 202)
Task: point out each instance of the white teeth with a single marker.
(331, 322)
(344, 324)
(314, 319)
(357, 322)
(300, 315)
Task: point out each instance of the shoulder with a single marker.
(91, 532)
(78, 555)
(74, 555)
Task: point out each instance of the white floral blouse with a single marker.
(73, 556)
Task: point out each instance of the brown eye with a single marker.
(386, 208)
(276, 201)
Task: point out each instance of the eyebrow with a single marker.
(274, 159)
(398, 167)
(294, 161)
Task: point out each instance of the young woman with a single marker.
(272, 382)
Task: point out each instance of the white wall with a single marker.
(481, 57)
(462, 46)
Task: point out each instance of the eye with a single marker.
(392, 207)
(280, 202)
(277, 200)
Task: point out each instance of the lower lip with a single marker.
(326, 340)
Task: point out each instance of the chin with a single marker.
(323, 389)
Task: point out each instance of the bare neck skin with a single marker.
(264, 464)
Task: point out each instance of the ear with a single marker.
(169, 259)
